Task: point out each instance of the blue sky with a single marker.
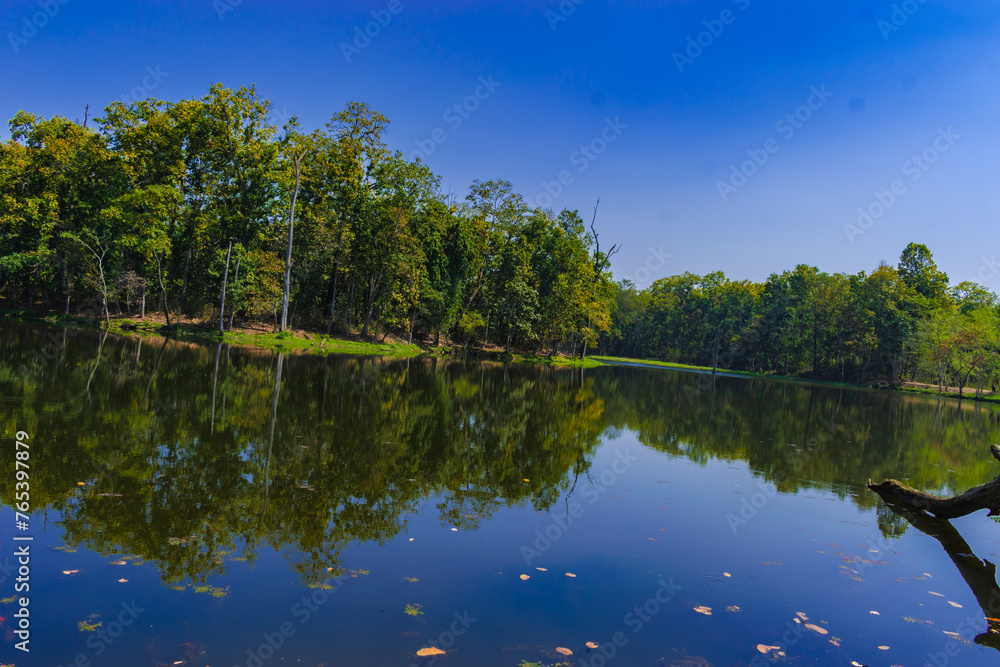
(595, 93)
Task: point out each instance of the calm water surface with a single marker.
(224, 507)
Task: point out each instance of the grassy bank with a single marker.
(292, 341)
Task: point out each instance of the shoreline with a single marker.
(304, 341)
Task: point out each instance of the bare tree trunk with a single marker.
(985, 496)
(163, 289)
(333, 301)
(236, 278)
(225, 279)
(288, 255)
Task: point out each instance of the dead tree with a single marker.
(986, 496)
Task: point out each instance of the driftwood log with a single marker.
(986, 496)
(979, 574)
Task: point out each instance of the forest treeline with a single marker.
(205, 208)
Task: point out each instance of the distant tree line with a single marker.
(206, 208)
(895, 323)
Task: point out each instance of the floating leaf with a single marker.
(525, 577)
(424, 652)
(590, 645)
(541, 569)
(937, 594)
(883, 648)
(726, 574)
(764, 648)
(704, 610)
(564, 651)
(874, 613)
(70, 571)
(954, 604)
(732, 608)
(816, 628)
(119, 562)
(802, 615)
(570, 574)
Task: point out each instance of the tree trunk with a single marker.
(985, 496)
(236, 277)
(288, 255)
(225, 279)
(979, 574)
(333, 301)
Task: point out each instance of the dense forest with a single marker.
(205, 209)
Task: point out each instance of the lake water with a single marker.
(218, 507)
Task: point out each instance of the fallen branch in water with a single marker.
(985, 496)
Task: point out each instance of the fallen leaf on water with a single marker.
(883, 648)
(802, 615)
(816, 628)
(874, 613)
(590, 645)
(570, 574)
(81, 484)
(119, 562)
(123, 581)
(541, 569)
(954, 604)
(564, 651)
(733, 608)
(726, 574)
(70, 571)
(525, 577)
(455, 529)
(764, 648)
(704, 610)
(937, 594)
(429, 651)
(411, 539)
(526, 479)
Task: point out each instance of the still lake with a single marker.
(220, 507)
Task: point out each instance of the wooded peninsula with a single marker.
(206, 209)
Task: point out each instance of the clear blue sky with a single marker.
(883, 88)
